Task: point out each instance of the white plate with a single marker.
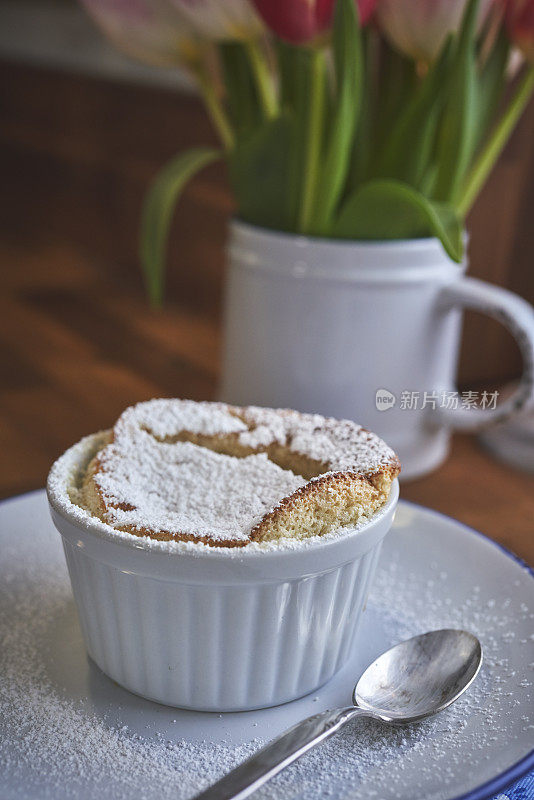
(67, 731)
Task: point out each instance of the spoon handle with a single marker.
(278, 754)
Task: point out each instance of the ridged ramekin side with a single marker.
(219, 647)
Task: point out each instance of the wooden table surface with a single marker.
(77, 346)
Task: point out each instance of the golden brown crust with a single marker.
(329, 500)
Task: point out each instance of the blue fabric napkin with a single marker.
(522, 790)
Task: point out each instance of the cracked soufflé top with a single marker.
(227, 476)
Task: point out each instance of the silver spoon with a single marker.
(413, 680)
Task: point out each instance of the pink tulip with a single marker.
(152, 31)
(520, 24)
(418, 28)
(218, 20)
(300, 21)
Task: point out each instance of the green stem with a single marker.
(312, 146)
(263, 78)
(214, 108)
(494, 146)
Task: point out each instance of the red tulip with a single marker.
(520, 25)
(300, 21)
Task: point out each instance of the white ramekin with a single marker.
(215, 629)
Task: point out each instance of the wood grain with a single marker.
(77, 347)
(77, 341)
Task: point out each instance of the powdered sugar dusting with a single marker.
(59, 739)
(151, 481)
(182, 488)
(338, 444)
(54, 746)
(64, 493)
(165, 418)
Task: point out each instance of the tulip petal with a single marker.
(419, 28)
(520, 25)
(302, 21)
(220, 20)
(296, 21)
(152, 31)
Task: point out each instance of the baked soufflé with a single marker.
(228, 476)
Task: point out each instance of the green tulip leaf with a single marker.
(243, 102)
(411, 140)
(260, 171)
(364, 142)
(348, 60)
(397, 84)
(157, 213)
(492, 80)
(459, 127)
(286, 62)
(384, 209)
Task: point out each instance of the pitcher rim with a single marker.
(417, 242)
(296, 256)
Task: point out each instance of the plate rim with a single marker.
(487, 790)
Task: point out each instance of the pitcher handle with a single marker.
(517, 315)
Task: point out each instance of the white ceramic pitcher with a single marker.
(362, 330)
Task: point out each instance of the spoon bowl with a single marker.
(409, 682)
(419, 676)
